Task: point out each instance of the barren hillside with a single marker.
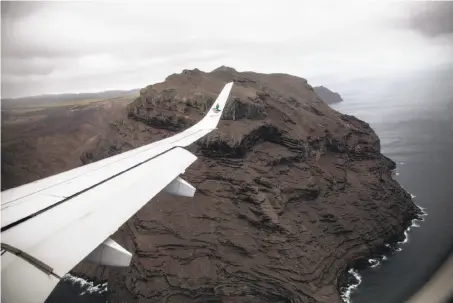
(41, 141)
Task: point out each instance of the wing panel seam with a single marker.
(6, 227)
(30, 259)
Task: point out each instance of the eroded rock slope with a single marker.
(289, 194)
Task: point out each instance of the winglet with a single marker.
(214, 114)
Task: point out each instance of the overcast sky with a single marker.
(59, 47)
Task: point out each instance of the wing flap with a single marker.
(23, 282)
(62, 236)
(89, 218)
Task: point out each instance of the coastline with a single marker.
(89, 287)
(72, 287)
(351, 279)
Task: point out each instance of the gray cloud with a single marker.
(29, 67)
(432, 18)
(20, 9)
(53, 47)
(17, 49)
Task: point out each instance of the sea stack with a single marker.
(326, 95)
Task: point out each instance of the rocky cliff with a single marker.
(327, 95)
(290, 193)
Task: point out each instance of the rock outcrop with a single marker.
(327, 95)
(290, 193)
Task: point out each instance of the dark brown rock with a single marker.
(39, 141)
(290, 193)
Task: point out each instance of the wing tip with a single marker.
(215, 112)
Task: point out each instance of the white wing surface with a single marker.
(50, 225)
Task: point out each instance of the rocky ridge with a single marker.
(290, 193)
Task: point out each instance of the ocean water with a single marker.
(413, 116)
(72, 289)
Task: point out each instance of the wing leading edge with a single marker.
(50, 225)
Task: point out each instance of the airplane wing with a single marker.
(50, 225)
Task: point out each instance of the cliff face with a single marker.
(289, 194)
(327, 95)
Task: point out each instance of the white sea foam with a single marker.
(402, 163)
(414, 223)
(346, 295)
(87, 286)
(424, 213)
(397, 174)
(374, 263)
(406, 236)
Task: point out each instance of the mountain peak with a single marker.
(225, 68)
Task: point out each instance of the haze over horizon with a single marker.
(72, 47)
